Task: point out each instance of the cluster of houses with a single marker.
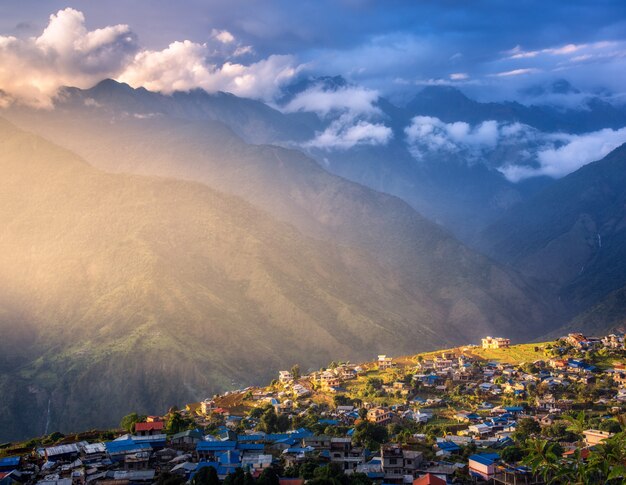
(140, 457)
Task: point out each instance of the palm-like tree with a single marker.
(542, 458)
(576, 424)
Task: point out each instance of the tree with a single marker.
(558, 431)
(128, 422)
(269, 421)
(512, 454)
(576, 424)
(330, 474)
(268, 477)
(542, 457)
(610, 425)
(167, 478)
(358, 478)
(370, 434)
(526, 427)
(295, 372)
(207, 475)
(176, 423)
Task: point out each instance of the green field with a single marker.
(516, 354)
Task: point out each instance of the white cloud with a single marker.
(184, 65)
(459, 76)
(66, 53)
(352, 112)
(517, 72)
(223, 36)
(427, 133)
(529, 152)
(353, 99)
(568, 153)
(345, 133)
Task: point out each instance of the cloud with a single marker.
(427, 133)
(569, 153)
(65, 53)
(345, 133)
(223, 36)
(529, 152)
(352, 113)
(353, 99)
(517, 72)
(184, 65)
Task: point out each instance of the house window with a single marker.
(393, 461)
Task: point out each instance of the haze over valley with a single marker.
(184, 215)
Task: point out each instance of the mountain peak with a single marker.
(110, 86)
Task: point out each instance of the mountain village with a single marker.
(495, 412)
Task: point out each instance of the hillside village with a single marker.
(495, 412)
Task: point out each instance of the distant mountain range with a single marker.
(125, 292)
(572, 237)
(190, 242)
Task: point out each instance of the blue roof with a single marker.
(330, 422)
(11, 461)
(287, 441)
(298, 435)
(485, 458)
(250, 446)
(149, 440)
(125, 446)
(350, 432)
(216, 445)
(230, 457)
(448, 446)
(251, 437)
(514, 409)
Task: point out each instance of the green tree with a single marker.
(526, 428)
(370, 434)
(512, 454)
(341, 400)
(295, 372)
(358, 478)
(235, 478)
(207, 475)
(128, 422)
(177, 423)
(268, 477)
(330, 474)
(576, 424)
(542, 457)
(167, 478)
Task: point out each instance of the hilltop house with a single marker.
(285, 377)
(496, 343)
(385, 362)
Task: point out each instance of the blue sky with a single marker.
(489, 48)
